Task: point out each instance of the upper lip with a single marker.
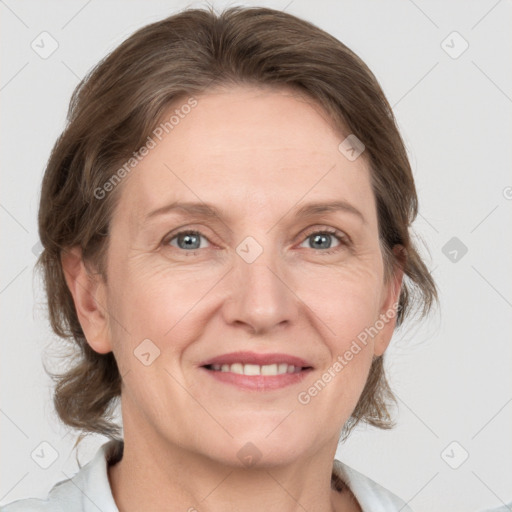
(255, 358)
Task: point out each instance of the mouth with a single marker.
(262, 372)
(255, 369)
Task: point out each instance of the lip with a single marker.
(257, 382)
(259, 359)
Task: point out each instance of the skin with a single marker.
(258, 155)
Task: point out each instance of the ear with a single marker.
(389, 303)
(89, 295)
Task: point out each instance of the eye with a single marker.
(323, 240)
(190, 241)
(186, 240)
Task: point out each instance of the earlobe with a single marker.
(88, 292)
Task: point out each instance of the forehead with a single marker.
(250, 148)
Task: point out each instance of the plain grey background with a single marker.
(453, 104)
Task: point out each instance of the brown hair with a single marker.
(115, 108)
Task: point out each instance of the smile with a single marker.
(250, 371)
(255, 369)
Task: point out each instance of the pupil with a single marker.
(322, 241)
(190, 241)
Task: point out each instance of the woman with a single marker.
(225, 223)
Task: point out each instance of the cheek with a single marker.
(169, 304)
(151, 300)
(346, 306)
(346, 300)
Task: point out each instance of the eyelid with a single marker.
(342, 237)
(187, 232)
(181, 230)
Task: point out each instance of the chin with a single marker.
(257, 456)
(264, 446)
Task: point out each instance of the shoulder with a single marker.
(370, 495)
(62, 496)
(30, 505)
(87, 490)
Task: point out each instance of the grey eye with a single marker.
(321, 240)
(187, 240)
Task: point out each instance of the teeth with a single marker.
(237, 368)
(269, 369)
(255, 369)
(252, 369)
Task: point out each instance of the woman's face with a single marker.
(267, 280)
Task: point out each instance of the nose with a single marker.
(261, 294)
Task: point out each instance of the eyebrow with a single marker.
(207, 210)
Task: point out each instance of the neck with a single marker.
(170, 474)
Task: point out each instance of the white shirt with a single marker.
(89, 490)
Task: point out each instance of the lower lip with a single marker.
(259, 382)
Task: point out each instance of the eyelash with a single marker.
(340, 236)
(343, 239)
